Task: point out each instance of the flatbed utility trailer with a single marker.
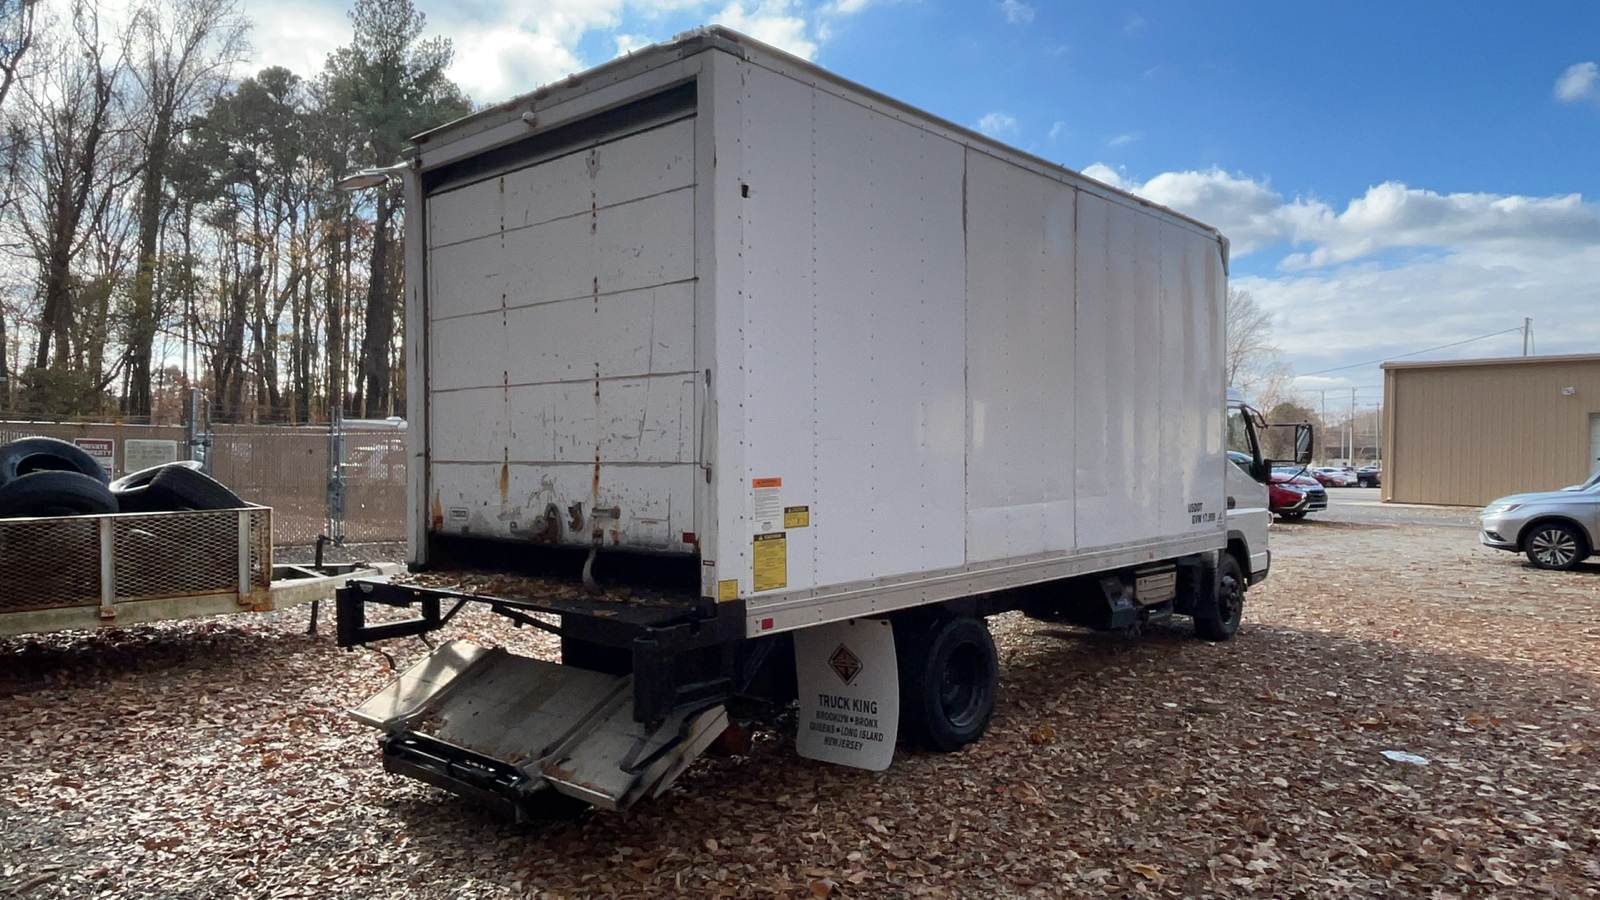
(109, 571)
(755, 385)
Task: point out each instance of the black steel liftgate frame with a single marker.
(681, 655)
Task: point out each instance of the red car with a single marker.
(1293, 492)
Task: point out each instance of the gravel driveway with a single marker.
(214, 759)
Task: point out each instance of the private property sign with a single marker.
(102, 449)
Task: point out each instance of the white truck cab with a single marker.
(1248, 473)
(1246, 484)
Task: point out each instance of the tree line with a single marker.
(166, 225)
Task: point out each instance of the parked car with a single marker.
(1556, 529)
(1332, 476)
(1369, 476)
(1292, 493)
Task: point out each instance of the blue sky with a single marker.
(1393, 176)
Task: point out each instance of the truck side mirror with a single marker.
(1302, 444)
(1276, 441)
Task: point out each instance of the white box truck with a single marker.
(800, 384)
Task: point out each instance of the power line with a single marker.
(1414, 353)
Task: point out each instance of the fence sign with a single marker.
(142, 454)
(102, 449)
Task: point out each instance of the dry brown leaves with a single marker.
(214, 759)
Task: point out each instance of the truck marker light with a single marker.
(766, 624)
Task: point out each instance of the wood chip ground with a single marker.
(214, 759)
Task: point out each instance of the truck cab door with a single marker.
(1247, 474)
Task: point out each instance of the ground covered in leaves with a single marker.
(214, 759)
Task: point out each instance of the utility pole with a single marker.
(1324, 442)
(1527, 332)
(1350, 460)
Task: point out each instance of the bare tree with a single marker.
(185, 49)
(1255, 365)
(17, 21)
(72, 173)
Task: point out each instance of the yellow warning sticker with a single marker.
(797, 517)
(728, 590)
(770, 558)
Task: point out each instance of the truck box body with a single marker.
(845, 378)
(711, 301)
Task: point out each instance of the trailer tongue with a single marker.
(503, 728)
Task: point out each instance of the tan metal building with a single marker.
(1467, 431)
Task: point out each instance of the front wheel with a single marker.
(1221, 621)
(949, 679)
(1553, 545)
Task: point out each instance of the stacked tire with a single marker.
(174, 486)
(46, 477)
(41, 476)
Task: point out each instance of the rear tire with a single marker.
(46, 454)
(1554, 545)
(949, 680)
(55, 493)
(1221, 621)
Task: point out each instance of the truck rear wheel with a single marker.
(949, 679)
(1220, 619)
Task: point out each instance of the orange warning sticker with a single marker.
(766, 482)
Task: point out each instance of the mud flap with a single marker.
(466, 711)
(849, 687)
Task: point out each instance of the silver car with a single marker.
(1557, 529)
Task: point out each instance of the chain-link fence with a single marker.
(361, 500)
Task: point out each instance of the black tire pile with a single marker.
(41, 476)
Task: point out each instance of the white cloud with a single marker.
(775, 22)
(1392, 216)
(1369, 311)
(1134, 25)
(1417, 267)
(1122, 140)
(1017, 13)
(998, 124)
(297, 36)
(1251, 214)
(1578, 82)
(627, 43)
(1389, 216)
(1056, 129)
(505, 50)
